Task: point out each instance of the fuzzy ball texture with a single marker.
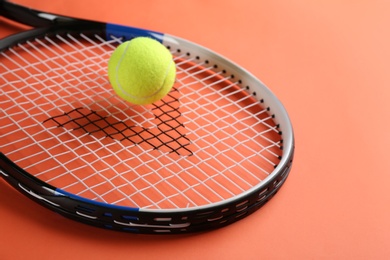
(141, 71)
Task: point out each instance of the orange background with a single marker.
(328, 62)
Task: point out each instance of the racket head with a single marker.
(220, 127)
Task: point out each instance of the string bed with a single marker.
(209, 140)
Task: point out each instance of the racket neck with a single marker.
(30, 16)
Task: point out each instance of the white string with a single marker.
(230, 150)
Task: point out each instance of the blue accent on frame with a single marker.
(130, 32)
(96, 203)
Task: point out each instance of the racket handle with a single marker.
(29, 16)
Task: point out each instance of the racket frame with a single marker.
(134, 219)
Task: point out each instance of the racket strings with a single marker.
(207, 141)
(167, 130)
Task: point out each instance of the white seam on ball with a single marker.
(117, 68)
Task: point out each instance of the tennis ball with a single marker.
(141, 71)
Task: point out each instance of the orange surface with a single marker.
(328, 62)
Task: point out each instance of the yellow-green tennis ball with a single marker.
(141, 71)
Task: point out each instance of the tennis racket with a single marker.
(213, 151)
